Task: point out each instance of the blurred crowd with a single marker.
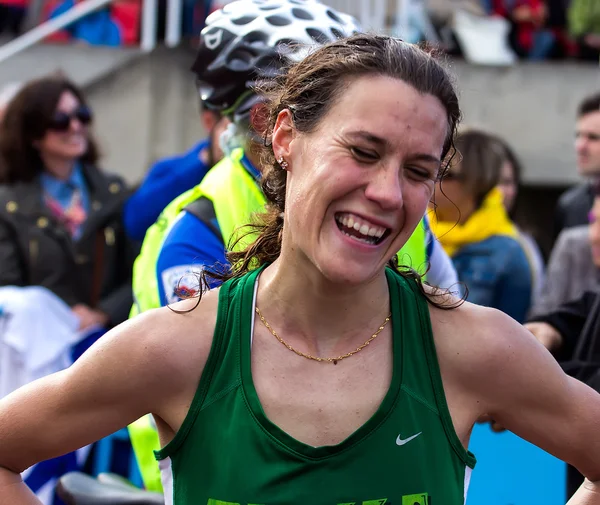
(483, 31)
(499, 31)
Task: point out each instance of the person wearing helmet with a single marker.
(245, 42)
(170, 177)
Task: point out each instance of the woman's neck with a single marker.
(59, 168)
(327, 319)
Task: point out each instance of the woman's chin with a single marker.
(349, 273)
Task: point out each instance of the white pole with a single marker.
(149, 10)
(174, 20)
(51, 26)
(402, 28)
(378, 19)
(365, 14)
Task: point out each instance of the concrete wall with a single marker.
(533, 106)
(145, 111)
(148, 109)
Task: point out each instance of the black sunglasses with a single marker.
(61, 121)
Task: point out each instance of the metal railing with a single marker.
(51, 26)
(148, 32)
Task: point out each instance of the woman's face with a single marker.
(67, 136)
(508, 185)
(359, 184)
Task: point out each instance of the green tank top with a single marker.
(228, 453)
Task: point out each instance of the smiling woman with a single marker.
(317, 364)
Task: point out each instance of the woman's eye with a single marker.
(419, 172)
(364, 155)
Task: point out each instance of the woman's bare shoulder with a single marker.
(177, 341)
(180, 332)
(474, 328)
(474, 343)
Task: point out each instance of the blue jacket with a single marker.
(166, 180)
(497, 274)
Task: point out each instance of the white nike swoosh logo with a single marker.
(399, 441)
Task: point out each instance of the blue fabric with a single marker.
(189, 246)
(252, 170)
(62, 191)
(167, 179)
(429, 239)
(497, 274)
(97, 28)
(50, 471)
(543, 42)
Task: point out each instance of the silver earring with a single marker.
(282, 163)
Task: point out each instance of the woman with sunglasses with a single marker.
(60, 216)
(474, 228)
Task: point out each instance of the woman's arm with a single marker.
(134, 370)
(512, 378)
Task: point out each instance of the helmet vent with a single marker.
(244, 20)
(278, 20)
(337, 33)
(334, 16)
(302, 14)
(256, 38)
(317, 35)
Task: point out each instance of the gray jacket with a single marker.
(571, 271)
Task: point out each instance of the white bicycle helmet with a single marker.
(248, 40)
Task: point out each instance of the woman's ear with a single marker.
(283, 134)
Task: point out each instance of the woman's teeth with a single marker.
(359, 229)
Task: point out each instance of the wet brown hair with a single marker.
(309, 90)
(26, 120)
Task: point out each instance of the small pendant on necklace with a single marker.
(335, 361)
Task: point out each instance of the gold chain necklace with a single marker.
(315, 358)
